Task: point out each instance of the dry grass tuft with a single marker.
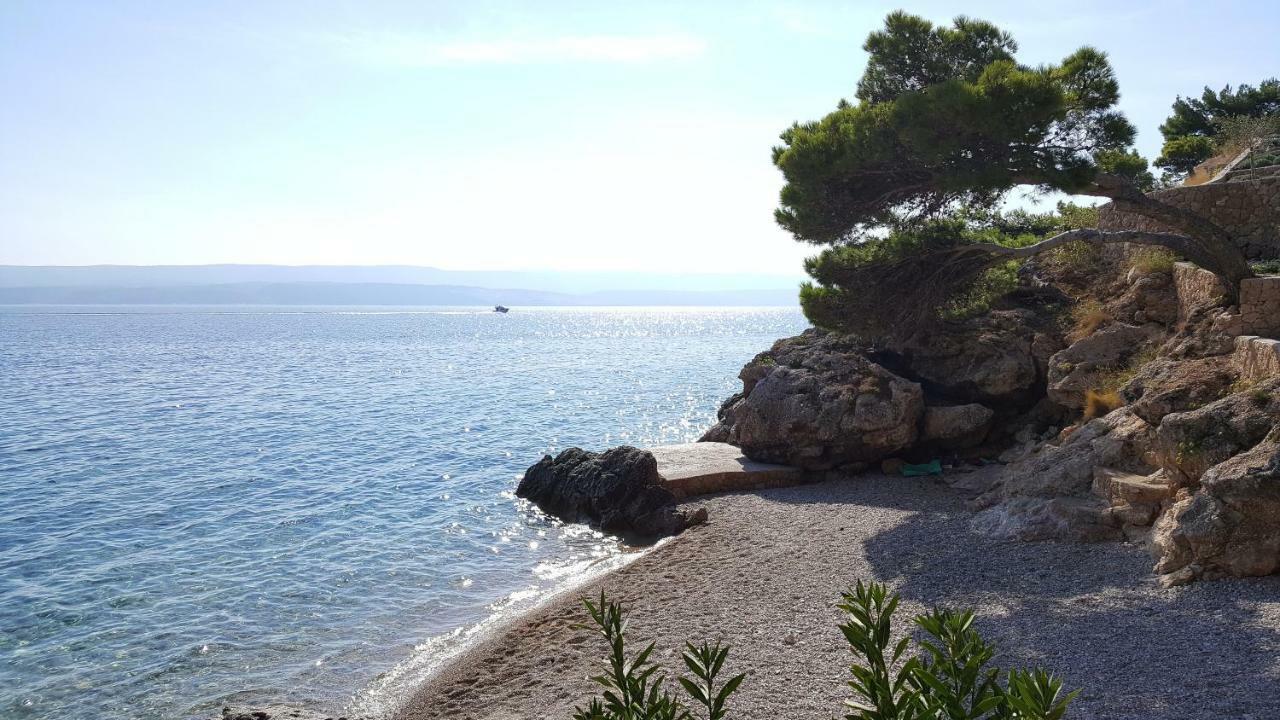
(1086, 317)
(1100, 402)
(1153, 260)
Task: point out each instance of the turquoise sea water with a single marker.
(260, 505)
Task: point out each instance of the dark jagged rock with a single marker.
(618, 490)
(278, 712)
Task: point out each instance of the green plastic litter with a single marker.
(933, 467)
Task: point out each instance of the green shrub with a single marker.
(633, 689)
(949, 677)
(1266, 267)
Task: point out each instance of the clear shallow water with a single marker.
(263, 505)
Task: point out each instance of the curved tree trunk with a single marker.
(1204, 243)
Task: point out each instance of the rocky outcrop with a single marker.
(618, 490)
(815, 401)
(1189, 443)
(995, 359)
(1150, 297)
(1231, 525)
(955, 427)
(1047, 494)
(1080, 367)
(1164, 386)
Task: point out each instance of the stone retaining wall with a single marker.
(1250, 210)
(1260, 307)
(1257, 358)
(1195, 286)
(1259, 310)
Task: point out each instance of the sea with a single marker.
(253, 505)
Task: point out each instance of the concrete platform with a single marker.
(707, 467)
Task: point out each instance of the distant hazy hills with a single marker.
(377, 285)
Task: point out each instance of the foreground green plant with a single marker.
(948, 678)
(633, 688)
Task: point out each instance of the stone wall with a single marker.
(1250, 210)
(1195, 286)
(1260, 307)
(1257, 358)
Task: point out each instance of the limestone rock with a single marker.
(1047, 493)
(1152, 294)
(1080, 366)
(706, 467)
(990, 359)
(1165, 386)
(1075, 519)
(1231, 525)
(619, 490)
(815, 401)
(1189, 443)
(956, 426)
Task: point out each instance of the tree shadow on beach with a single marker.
(1091, 612)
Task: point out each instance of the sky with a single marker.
(482, 135)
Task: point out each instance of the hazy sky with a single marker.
(601, 135)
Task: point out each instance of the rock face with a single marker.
(1164, 386)
(1191, 442)
(1150, 297)
(1078, 368)
(1231, 526)
(955, 427)
(1047, 494)
(995, 359)
(815, 401)
(619, 490)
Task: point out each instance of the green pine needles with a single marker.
(948, 677)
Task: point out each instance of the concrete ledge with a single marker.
(1257, 358)
(707, 467)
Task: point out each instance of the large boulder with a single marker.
(618, 490)
(996, 359)
(1189, 443)
(1080, 367)
(1231, 525)
(815, 401)
(1165, 386)
(955, 427)
(1047, 494)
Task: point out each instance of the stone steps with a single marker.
(708, 467)
(1135, 499)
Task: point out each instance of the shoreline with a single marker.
(765, 573)
(383, 695)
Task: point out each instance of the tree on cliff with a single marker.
(945, 120)
(1191, 132)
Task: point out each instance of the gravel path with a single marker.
(764, 575)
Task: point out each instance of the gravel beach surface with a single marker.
(765, 573)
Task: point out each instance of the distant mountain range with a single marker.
(377, 285)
